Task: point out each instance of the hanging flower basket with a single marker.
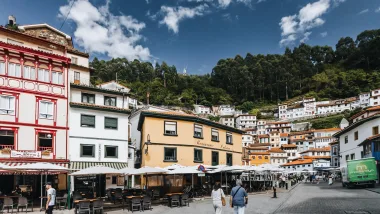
(6, 151)
(46, 152)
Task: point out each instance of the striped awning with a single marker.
(79, 165)
(20, 163)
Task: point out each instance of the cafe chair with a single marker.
(76, 196)
(22, 202)
(8, 203)
(136, 202)
(185, 200)
(175, 200)
(84, 207)
(63, 201)
(97, 205)
(156, 194)
(30, 202)
(110, 196)
(147, 202)
(118, 197)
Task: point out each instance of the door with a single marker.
(215, 158)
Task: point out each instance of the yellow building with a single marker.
(257, 154)
(171, 137)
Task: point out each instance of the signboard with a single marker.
(362, 170)
(25, 154)
(201, 174)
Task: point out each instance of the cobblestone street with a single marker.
(304, 199)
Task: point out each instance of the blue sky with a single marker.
(197, 33)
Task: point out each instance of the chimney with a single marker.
(11, 20)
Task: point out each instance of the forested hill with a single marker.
(353, 67)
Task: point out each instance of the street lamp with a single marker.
(147, 143)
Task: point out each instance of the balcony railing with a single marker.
(11, 147)
(44, 148)
(170, 158)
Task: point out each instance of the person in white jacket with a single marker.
(216, 195)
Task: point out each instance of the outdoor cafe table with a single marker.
(171, 194)
(129, 199)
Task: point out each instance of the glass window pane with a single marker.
(2, 68)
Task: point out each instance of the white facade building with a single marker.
(261, 127)
(323, 137)
(375, 97)
(247, 139)
(353, 135)
(364, 99)
(227, 120)
(245, 121)
(224, 110)
(200, 109)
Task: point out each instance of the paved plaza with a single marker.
(303, 199)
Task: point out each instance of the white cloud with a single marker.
(99, 31)
(259, 1)
(363, 11)
(298, 26)
(173, 15)
(324, 34)
(224, 3)
(377, 10)
(305, 37)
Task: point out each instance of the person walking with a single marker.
(218, 196)
(50, 203)
(238, 198)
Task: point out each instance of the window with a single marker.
(170, 128)
(346, 139)
(197, 131)
(57, 77)
(2, 68)
(29, 73)
(7, 139)
(87, 121)
(375, 130)
(353, 156)
(7, 105)
(43, 75)
(14, 70)
(109, 101)
(46, 110)
(229, 159)
(114, 179)
(170, 154)
(74, 60)
(215, 158)
(253, 157)
(45, 141)
(356, 135)
(229, 138)
(266, 157)
(76, 77)
(87, 150)
(110, 151)
(110, 123)
(88, 98)
(361, 154)
(198, 155)
(260, 157)
(347, 157)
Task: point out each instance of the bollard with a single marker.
(286, 185)
(274, 193)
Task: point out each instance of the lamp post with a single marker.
(147, 143)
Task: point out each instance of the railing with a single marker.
(170, 158)
(11, 147)
(44, 148)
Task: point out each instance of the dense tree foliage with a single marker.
(315, 70)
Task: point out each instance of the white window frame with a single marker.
(57, 77)
(7, 105)
(170, 124)
(2, 68)
(29, 72)
(43, 75)
(46, 112)
(14, 69)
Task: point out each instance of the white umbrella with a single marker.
(127, 171)
(185, 170)
(148, 170)
(96, 170)
(5, 167)
(173, 167)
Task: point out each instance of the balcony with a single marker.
(6, 147)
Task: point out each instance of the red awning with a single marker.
(20, 163)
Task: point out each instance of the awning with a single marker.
(78, 165)
(21, 163)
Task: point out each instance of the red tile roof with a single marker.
(375, 108)
(263, 136)
(276, 150)
(259, 153)
(289, 146)
(299, 162)
(317, 157)
(259, 144)
(284, 134)
(327, 130)
(324, 149)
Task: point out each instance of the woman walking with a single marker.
(217, 196)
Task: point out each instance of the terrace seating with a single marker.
(84, 206)
(8, 203)
(147, 202)
(175, 201)
(63, 201)
(185, 200)
(135, 202)
(22, 202)
(97, 205)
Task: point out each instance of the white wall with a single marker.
(365, 131)
(76, 96)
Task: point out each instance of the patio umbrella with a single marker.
(147, 170)
(97, 170)
(127, 171)
(173, 167)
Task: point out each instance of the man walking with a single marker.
(50, 198)
(239, 198)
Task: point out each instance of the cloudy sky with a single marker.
(195, 34)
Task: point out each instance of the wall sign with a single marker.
(25, 154)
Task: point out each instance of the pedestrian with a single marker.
(330, 180)
(50, 198)
(238, 198)
(311, 178)
(218, 197)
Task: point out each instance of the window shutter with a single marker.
(41, 75)
(50, 110)
(46, 76)
(2, 102)
(2, 68)
(32, 73)
(170, 126)
(88, 120)
(18, 71)
(110, 122)
(43, 107)
(11, 103)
